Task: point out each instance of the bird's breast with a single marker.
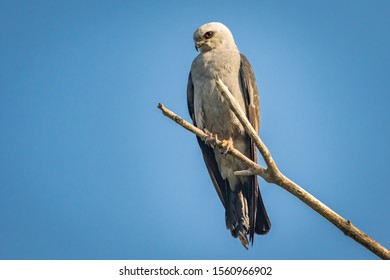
(211, 111)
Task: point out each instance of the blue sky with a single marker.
(90, 169)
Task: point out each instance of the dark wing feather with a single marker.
(219, 183)
(258, 218)
(251, 95)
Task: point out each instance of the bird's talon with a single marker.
(227, 145)
(210, 138)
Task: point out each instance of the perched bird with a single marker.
(219, 56)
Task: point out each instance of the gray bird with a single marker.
(219, 56)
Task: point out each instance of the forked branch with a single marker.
(272, 174)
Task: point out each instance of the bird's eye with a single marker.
(208, 35)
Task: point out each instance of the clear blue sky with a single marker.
(90, 169)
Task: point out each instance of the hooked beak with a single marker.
(198, 45)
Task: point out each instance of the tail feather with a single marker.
(244, 241)
(237, 215)
(246, 214)
(263, 224)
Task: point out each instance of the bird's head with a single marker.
(213, 35)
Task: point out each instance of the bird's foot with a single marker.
(227, 145)
(210, 138)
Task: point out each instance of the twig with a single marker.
(273, 175)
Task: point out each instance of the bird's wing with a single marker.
(251, 95)
(219, 183)
(252, 104)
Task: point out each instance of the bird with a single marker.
(219, 57)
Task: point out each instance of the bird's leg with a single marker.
(210, 138)
(226, 146)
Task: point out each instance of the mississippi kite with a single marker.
(245, 213)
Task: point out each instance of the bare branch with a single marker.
(273, 175)
(247, 172)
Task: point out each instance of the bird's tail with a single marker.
(237, 218)
(242, 219)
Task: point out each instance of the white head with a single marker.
(213, 35)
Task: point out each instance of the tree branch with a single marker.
(273, 175)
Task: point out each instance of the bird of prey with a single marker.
(219, 56)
